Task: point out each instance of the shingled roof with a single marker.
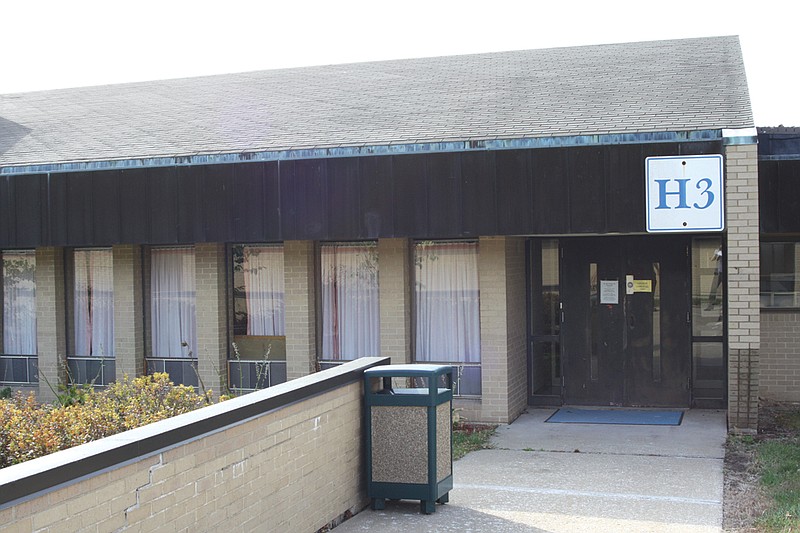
(660, 86)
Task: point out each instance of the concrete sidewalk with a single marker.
(578, 477)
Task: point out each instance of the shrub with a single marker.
(29, 429)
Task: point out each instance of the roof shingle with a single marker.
(659, 86)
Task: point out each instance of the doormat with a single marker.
(631, 417)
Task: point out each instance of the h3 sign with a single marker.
(684, 193)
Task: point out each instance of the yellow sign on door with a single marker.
(642, 285)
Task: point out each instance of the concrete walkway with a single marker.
(578, 477)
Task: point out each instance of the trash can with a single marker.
(409, 429)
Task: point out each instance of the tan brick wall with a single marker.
(293, 469)
(744, 340)
(501, 270)
(301, 308)
(212, 316)
(51, 320)
(394, 259)
(128, 311)
(779, 359)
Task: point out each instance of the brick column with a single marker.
(51, 321)
(395, 299)
(742, 274)
(301, 308)
(128, 311)
(501, 272)
(212, 316)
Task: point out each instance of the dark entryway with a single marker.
(625, 330)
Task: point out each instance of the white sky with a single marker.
(49, 44)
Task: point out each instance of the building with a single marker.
(779, 205)
(488, 211)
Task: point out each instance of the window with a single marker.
(258, 290)
(91, 355)
(447, 306)
(93, 303)
(708, 296)
(18, 362)
(19, 303)
(258, 356)
(172, 303)
(544, 297)
(350, 301)
(780, 265)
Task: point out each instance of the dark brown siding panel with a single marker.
(190, 217)
(514, 192)
(587, 200)
(546, 191)
(304, 195)
(105, 199)
(7, 211)
(444, 195)
(248, 202)
(344, 205)
(217, 202)
(57, 221)
(376, 195)
(625, 189)
(550, 193)
(411, 196)
(478, 195)
(79, 209)
(163, 205)
(286, 174)
(29, 195)
(700, 148)
(134, 210)
(273, 229)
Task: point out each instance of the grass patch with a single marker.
(470, 437)
(779, 465)
(789, 420)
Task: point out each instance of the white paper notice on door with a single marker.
(609, 291)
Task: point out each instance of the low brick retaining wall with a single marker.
(287, 458)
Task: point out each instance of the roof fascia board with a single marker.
(373, 150)
(739, 136)
(779, 157)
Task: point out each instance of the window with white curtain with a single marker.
(447, 302)
(19, 303)
(258, 290)
(350, 301)
(93, 305)
(172, 302)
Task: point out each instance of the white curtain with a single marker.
(350, 309)
(447, 302)
(19, 303)
(263, 285)
(94, 303)
(172, 302)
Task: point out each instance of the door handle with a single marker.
(631, 321)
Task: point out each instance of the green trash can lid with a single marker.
(420, 370)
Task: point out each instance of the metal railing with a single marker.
(181, 370)
(248, 375)
(466, 378)
(18, 369)
(97, 371)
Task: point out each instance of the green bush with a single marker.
(29, 429)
